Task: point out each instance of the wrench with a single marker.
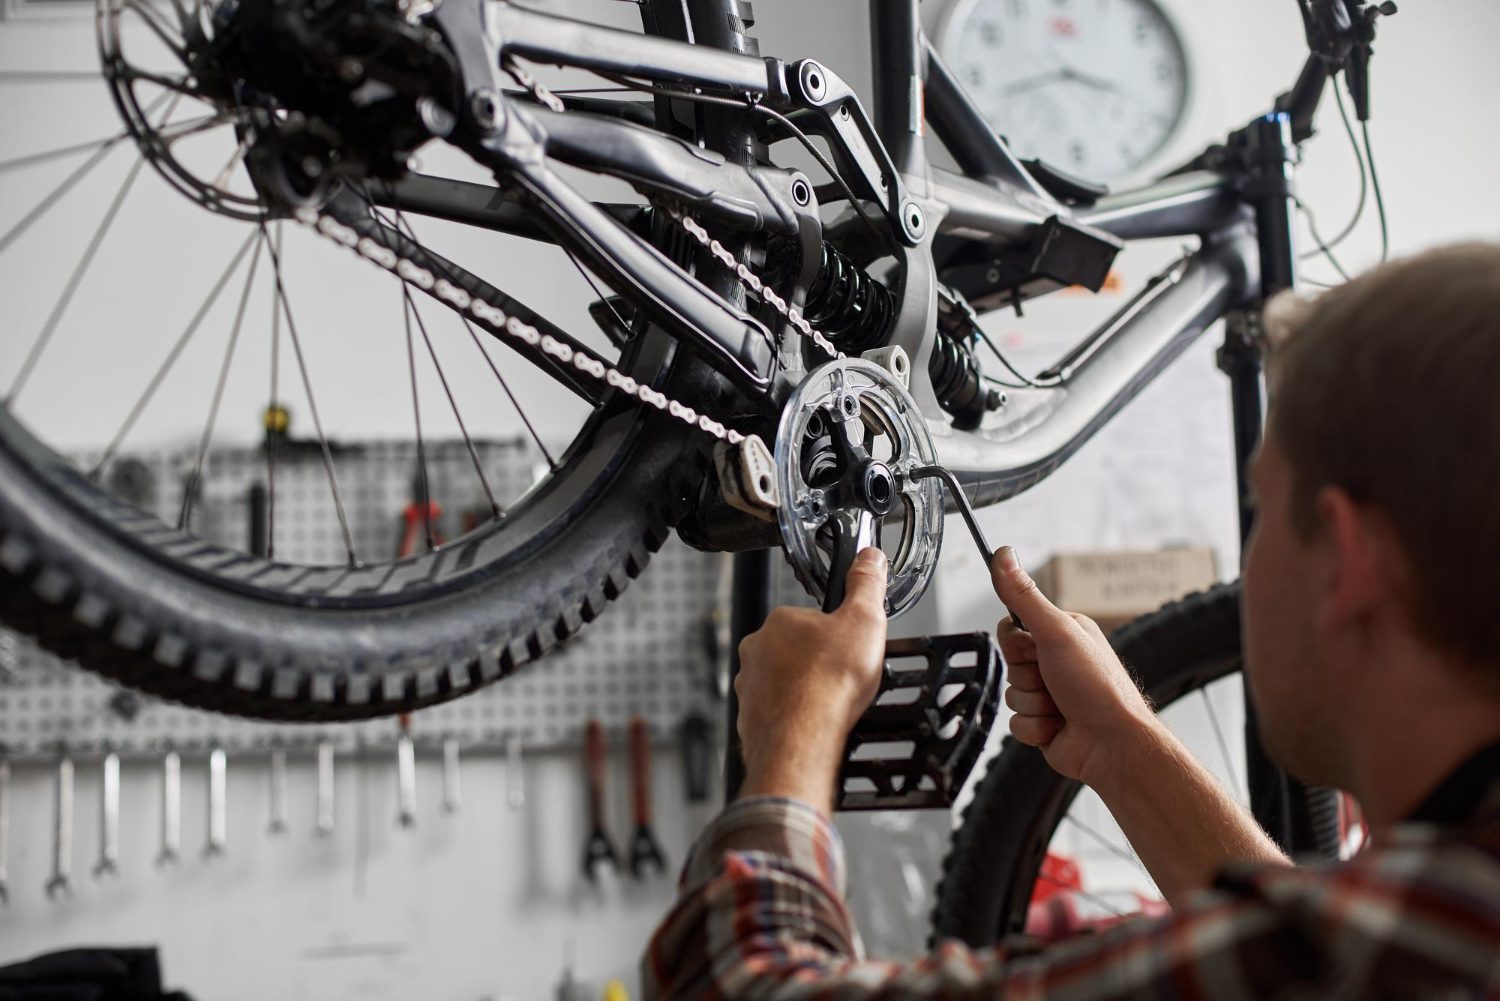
(218, 805)
(644, 851)
(61, 882)
(278, 790)
(4, 825)
(966, 510)
(325, 789)
(171, 808)
(109, 817)
(515, 775)
(598, 849)
(406, 781)
(452, 778)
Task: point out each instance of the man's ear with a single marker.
(1358, 573)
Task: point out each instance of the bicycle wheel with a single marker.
(156, 608)
(1005, 873)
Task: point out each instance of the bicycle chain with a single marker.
(515, 330)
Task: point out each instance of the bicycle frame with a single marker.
(994, 201)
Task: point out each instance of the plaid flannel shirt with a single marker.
(762, 916)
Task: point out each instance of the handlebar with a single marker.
(1339, 37)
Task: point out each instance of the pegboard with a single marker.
(648, 654)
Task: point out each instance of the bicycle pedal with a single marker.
(916, 745)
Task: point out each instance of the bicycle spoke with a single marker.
(198, 125)
(44, 76)
(273, 408)
(1107, 845)
(174, 42)
(474, 334)
(624, 327)
(424, 491)
(67, 184)
(312, 406)
(1094, 898)
(234, 158)
(185, 516)
(177, 85)
(1213, 719)
(401, 224)
(53, 319)
(447, 390)
(171, 358)
(61, 151)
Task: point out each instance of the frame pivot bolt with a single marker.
(814, 81)
(484, 108)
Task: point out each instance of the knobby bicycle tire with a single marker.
(996, 852)
(95, 580)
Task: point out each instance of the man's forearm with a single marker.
(1179, 819)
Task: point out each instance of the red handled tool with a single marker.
(598, 850)
(645, 853)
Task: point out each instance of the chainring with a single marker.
(847, 418)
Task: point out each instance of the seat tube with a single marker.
(898, 61)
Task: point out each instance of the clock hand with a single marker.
(1089, 80)
(1033, 82)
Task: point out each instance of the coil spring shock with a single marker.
(848, 305)
(958, 379)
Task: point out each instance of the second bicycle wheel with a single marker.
(159, 609)
(1037, 854)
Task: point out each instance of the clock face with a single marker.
(1093, 87)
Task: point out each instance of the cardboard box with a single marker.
(1114, 587)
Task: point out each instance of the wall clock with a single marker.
(1093, 87)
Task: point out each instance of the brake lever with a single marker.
(966, 511)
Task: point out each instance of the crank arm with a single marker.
(916, 753)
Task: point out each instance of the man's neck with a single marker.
(1421, 726)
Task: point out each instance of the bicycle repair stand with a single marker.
(939, 695)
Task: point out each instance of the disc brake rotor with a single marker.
(848, 440)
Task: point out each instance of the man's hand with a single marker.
(805, 679)
(1072, 696)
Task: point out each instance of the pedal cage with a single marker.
(916, 745)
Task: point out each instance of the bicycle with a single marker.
(768, 375)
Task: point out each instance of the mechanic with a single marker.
(1372, 650)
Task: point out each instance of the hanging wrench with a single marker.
(598, 850)
(452, 777)
(644, 851)
(406, 781)
(325, 789)
(4, 825)
(278, 790)
(61, 881)
(109, 816)
(171, 808)
(515, 775)
(218, 804)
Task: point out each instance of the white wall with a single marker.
(485, 903)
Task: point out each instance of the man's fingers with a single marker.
(1020, 593)
(1038, 731)
(1025, 675)
(864, 588)
(1017, 646)
(1030, 703)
